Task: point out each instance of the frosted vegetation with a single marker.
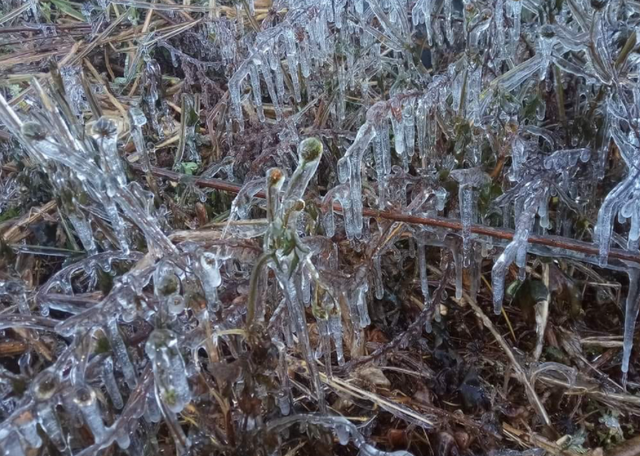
(399, 135)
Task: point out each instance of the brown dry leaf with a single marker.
(397, 438)
(373, 375)
(423, 396)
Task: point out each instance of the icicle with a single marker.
(138, 120)
(296, 312)
(349, 170)
(235, 92)
(240, 20)
(603, 150)
(169, 369)
(604, 225)
(335, 328)
(518, 157)
(468, 179)
(292, 62)
(448, 20)
(254, 77)
(398, 131)
(110, 383)
(271, 88)
(516, 250)
(545, 46)
(324, 344)
(339, 6)
(361, 304)
(208, 270)
(458, 269)
(409, 127)
(377, 277)
(152, 411)
(83, 229)
(305, 59)
(630, 317)
(305, 288)
(515, 9)
(86, 400)
(421, 14)
(383, 163)
(120, 353)
(49, 422)
(424, 278)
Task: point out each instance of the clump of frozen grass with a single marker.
(145, 331)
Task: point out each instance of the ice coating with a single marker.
(169, 369)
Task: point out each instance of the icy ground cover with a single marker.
(361, 140)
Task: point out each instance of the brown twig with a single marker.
(440, 222)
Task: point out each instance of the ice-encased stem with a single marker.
(467, 207)
(169, 369)
(110, 383)
(105, 134)
(424, 278)
(296, 312)
(120, 353)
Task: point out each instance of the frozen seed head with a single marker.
(169, 285)
(309, 150)
(472, 177)
(137, 117)
(34, 131)
(275, 178)
(159, 340)
(104, 128)
(45, 386)
(84, 396)
(547, 31)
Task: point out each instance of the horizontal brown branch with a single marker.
(441, 222)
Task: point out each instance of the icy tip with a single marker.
(104, 128)
(275, 178)
(45, 386)
(310, 149)
(34, 131)
(84, 396)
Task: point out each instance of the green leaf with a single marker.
(189, 168)
(9, 214)
(66, 8)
